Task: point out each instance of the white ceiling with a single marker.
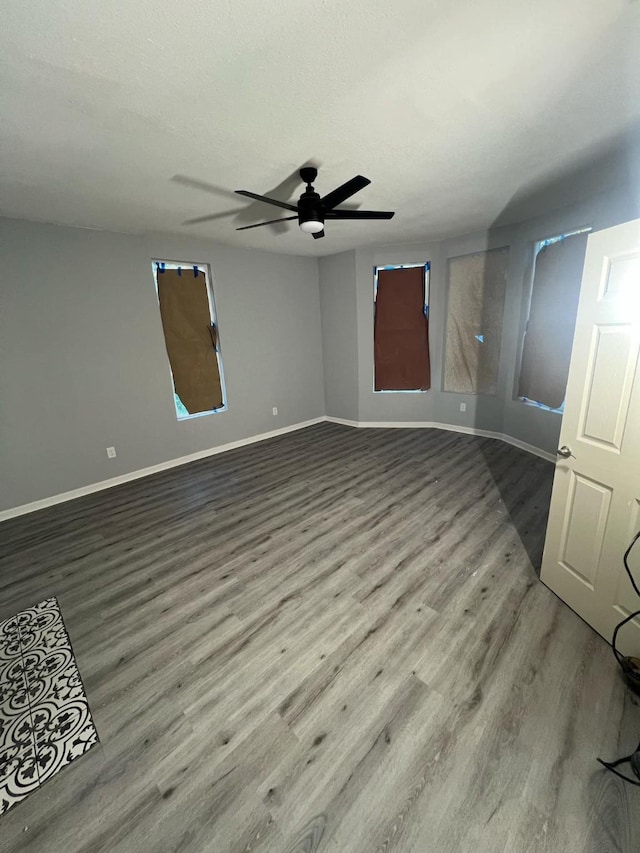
(450, 107)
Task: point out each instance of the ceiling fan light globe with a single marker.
(312, 226)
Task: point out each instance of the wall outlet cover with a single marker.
(463, 407)
(275, 410)
(111, 452)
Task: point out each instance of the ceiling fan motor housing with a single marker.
(310, 207)
(308, 174)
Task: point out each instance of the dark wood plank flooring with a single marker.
(331, 641)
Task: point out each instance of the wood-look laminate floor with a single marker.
(331, 641)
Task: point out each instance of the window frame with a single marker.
(526, 312)
(427, 294)
(163, 263)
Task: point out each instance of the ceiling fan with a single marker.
(312, 211)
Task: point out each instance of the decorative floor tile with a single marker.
(12, 680)
(62, 738)
(45, 720)
(18, 774)
(41, 627)
(9, 640)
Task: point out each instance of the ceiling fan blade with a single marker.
(318, 235)
(267, 200)
(360, 214)
(270, 222)
(345, 191)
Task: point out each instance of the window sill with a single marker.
(219, 411)
(535, 405)
(407, 391)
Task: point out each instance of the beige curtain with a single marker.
(189, 338)
(475, 287)
(549, 336)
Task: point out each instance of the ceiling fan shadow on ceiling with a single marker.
(241, 213)
(312, 211)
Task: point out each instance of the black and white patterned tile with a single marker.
(18, 774)
(45, 720)
(9, 639)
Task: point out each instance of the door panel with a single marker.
(625, 599)
(595, 503)
(609, 385)
(621, 279)
(586, 520)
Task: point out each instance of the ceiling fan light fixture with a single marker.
(312, 226)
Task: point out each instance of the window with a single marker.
(191, 337)
(548, 336)
(476, 286)
(401, 328)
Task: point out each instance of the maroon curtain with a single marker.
(401, 332)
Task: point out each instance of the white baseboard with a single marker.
(344, 421)
(485, 433)
(232, 445)
(152, 469)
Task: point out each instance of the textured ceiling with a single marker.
(451, 107)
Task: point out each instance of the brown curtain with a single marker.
(189, 338)
(401, 332)
(552, 318)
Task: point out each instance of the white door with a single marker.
(595, 504)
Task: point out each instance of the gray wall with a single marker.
(532, 425)
(83, 363)
(434, 405)
(500, 413)
(339, 334)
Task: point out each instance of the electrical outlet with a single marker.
(111, 452)
(275, 410)
(463, 407)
